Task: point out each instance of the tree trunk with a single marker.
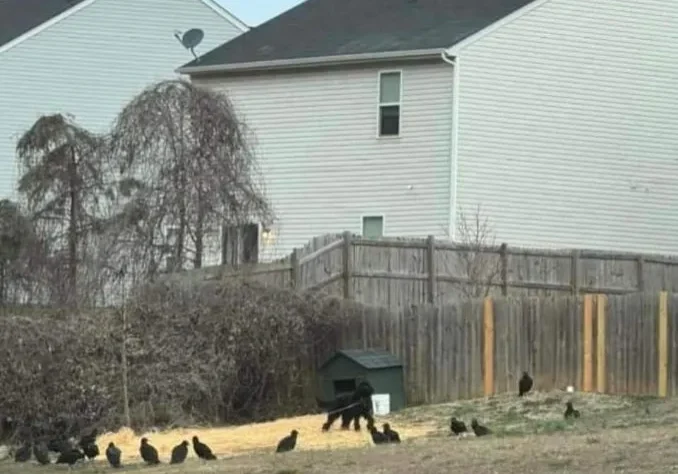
(73, 230)
(199, 232)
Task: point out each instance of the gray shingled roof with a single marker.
(20, 16)
(369, 358)
(321, 28)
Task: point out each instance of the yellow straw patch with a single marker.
(229, 441)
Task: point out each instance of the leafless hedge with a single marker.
(196, 353)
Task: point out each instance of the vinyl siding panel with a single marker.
(568, 131)
(93, 62)
(323, 165)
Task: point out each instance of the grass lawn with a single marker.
(615, 434)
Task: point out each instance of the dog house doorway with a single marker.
(343, 386)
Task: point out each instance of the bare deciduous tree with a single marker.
(479, 261)
(63, 184)
(194, 171)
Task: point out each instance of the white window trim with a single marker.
(373, 214)
(387, 104)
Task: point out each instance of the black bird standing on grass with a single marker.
(91, 450)
(113, 455)
(23, 454)
(70, 456)
(377, 437)
(41, 454)
(457, 426)
(479, 429)
(179, 453)
(202, 450)
(524, 384)
(391, 435)
(288, 442)
(148, 452)
(570, 412)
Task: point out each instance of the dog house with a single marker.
(341, 373)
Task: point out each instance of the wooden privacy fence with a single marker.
(401, 272)
(623, 344)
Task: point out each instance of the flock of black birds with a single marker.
(87, 448)
(458, 427)
(350, 408)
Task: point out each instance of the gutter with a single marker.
(454, 145)
(303, 63)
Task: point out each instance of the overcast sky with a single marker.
(254, 12)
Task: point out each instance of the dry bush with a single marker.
(59, 372)
(226, 352)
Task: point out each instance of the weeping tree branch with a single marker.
(195, 167)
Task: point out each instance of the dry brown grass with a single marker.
(615, 434)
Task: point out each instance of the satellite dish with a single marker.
(190, 39)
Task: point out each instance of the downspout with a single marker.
(454, 145)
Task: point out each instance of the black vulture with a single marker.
(23, 454)
(202, 450)
(41, 454)
(524, 384)
(70, 456)
(148, 452)
(377, 437)
(179, 453)
(393, 436)
(457, 426)
(113, 454)
(288, 442)
(570, 412)
(479, 429)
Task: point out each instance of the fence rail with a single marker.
(399, 272)
(620, 344)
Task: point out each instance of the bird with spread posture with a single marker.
(87, 439)
(288, 442)
(23, 454)
(91, 450)
(113, 454)
(570, 412)
(179, 453)
(202, 450)
(148, 453)
(391, 435)
(70, 456)
(377, 437)
(524, 384)
(479, 429)
(457, 426)
(41, 454)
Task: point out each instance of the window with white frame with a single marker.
(389, 103)
(373, 227)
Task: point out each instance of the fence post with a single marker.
(431, 266)
(488, 342)
(295, 272)
(662, 345)
(640, 273)
(601, 315)
(574, 279)
(587, 384)
(346, 261)
(503, 255)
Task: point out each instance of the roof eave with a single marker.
(318, 61)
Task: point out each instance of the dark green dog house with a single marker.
(341, 373)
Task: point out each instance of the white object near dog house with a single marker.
(381, 404)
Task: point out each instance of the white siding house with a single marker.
(325, 166)
(92, 58)
(557, 117)
(568, 125)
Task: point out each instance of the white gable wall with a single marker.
(324, 167)
(93, 62)
(568, 126)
